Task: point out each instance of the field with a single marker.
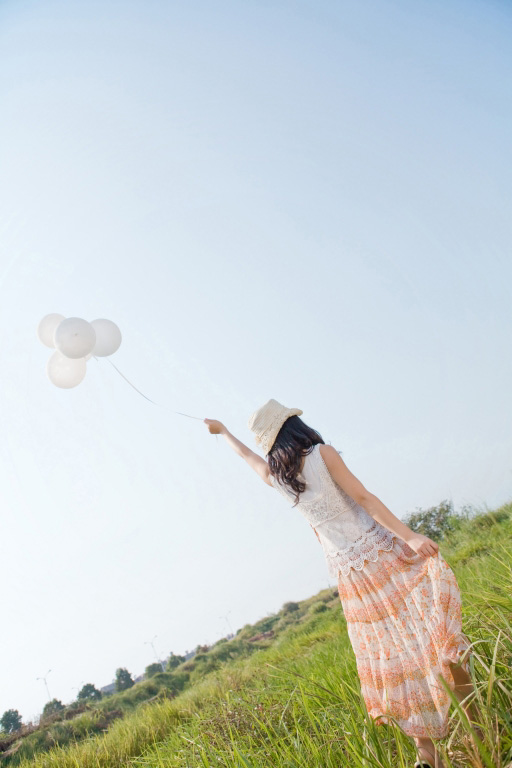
(284, 692)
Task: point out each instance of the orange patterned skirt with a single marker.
(403, 617)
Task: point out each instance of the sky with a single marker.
(308, 201)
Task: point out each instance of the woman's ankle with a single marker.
(427, 751)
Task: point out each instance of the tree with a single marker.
(123, 679)
(153, 669)
(10, 722)
(51, 707)
(174, 661)
(433, 522)
(89, 692)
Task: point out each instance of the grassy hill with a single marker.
(284, 692)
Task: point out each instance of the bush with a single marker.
(482, 521)
(240, 647)
(263, 625)
(208, 666)
(434, 522)
(123, 679)
(222, 652)
(290, 607)
(52, 707)
(202, 648)
(172, 681)
(318, 608)
(174, 661)
(89, 692)
(152, 670)
(10, 722)
(286, 620)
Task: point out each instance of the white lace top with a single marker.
(348, 534)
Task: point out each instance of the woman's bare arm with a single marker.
(256, 462)
(374, 506)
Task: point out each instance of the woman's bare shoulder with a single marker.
(342, 474)
(328, 452)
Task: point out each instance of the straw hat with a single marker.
(268, 420)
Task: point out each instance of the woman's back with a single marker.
(348, 534)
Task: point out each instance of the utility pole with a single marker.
(78, 688)
(152, 644)
(46, 684)
(225, 617)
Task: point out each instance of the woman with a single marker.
(399, 596)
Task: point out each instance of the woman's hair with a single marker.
(294, 440)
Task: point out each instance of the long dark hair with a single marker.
(294, 440)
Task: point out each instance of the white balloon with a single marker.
(88, 357)
(108, 337)
(47, 328)
(65, 372)
(75, 337)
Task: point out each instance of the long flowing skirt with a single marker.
(403, 616)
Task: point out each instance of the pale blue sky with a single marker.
(308, 201)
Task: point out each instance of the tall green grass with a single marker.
(297, 703)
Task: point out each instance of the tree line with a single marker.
(11, 720)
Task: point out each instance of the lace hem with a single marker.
(355, 558)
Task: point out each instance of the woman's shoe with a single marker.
(423, 764)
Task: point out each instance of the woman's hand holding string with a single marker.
(259, 465)
(215, 427)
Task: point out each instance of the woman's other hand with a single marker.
(422, 545)
(215, 427)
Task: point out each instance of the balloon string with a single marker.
(142, 393)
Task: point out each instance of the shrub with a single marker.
(52, 707)
(89, 691)
(10, 722)
(208, 666)
(434, 522)
(123, 679)
(152, 670)
(488, 519)
(318, 608)
(290, 607)
(263, 625)
(174, 661)
(222, 652)
(172, 681)
(286, 620)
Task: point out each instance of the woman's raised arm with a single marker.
(256, 462)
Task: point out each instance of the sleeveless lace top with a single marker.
(348, 534)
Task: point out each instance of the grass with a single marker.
(295, 702)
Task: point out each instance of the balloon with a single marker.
(47, 328)
(65, 372)
(75, 337)
(108, 337)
